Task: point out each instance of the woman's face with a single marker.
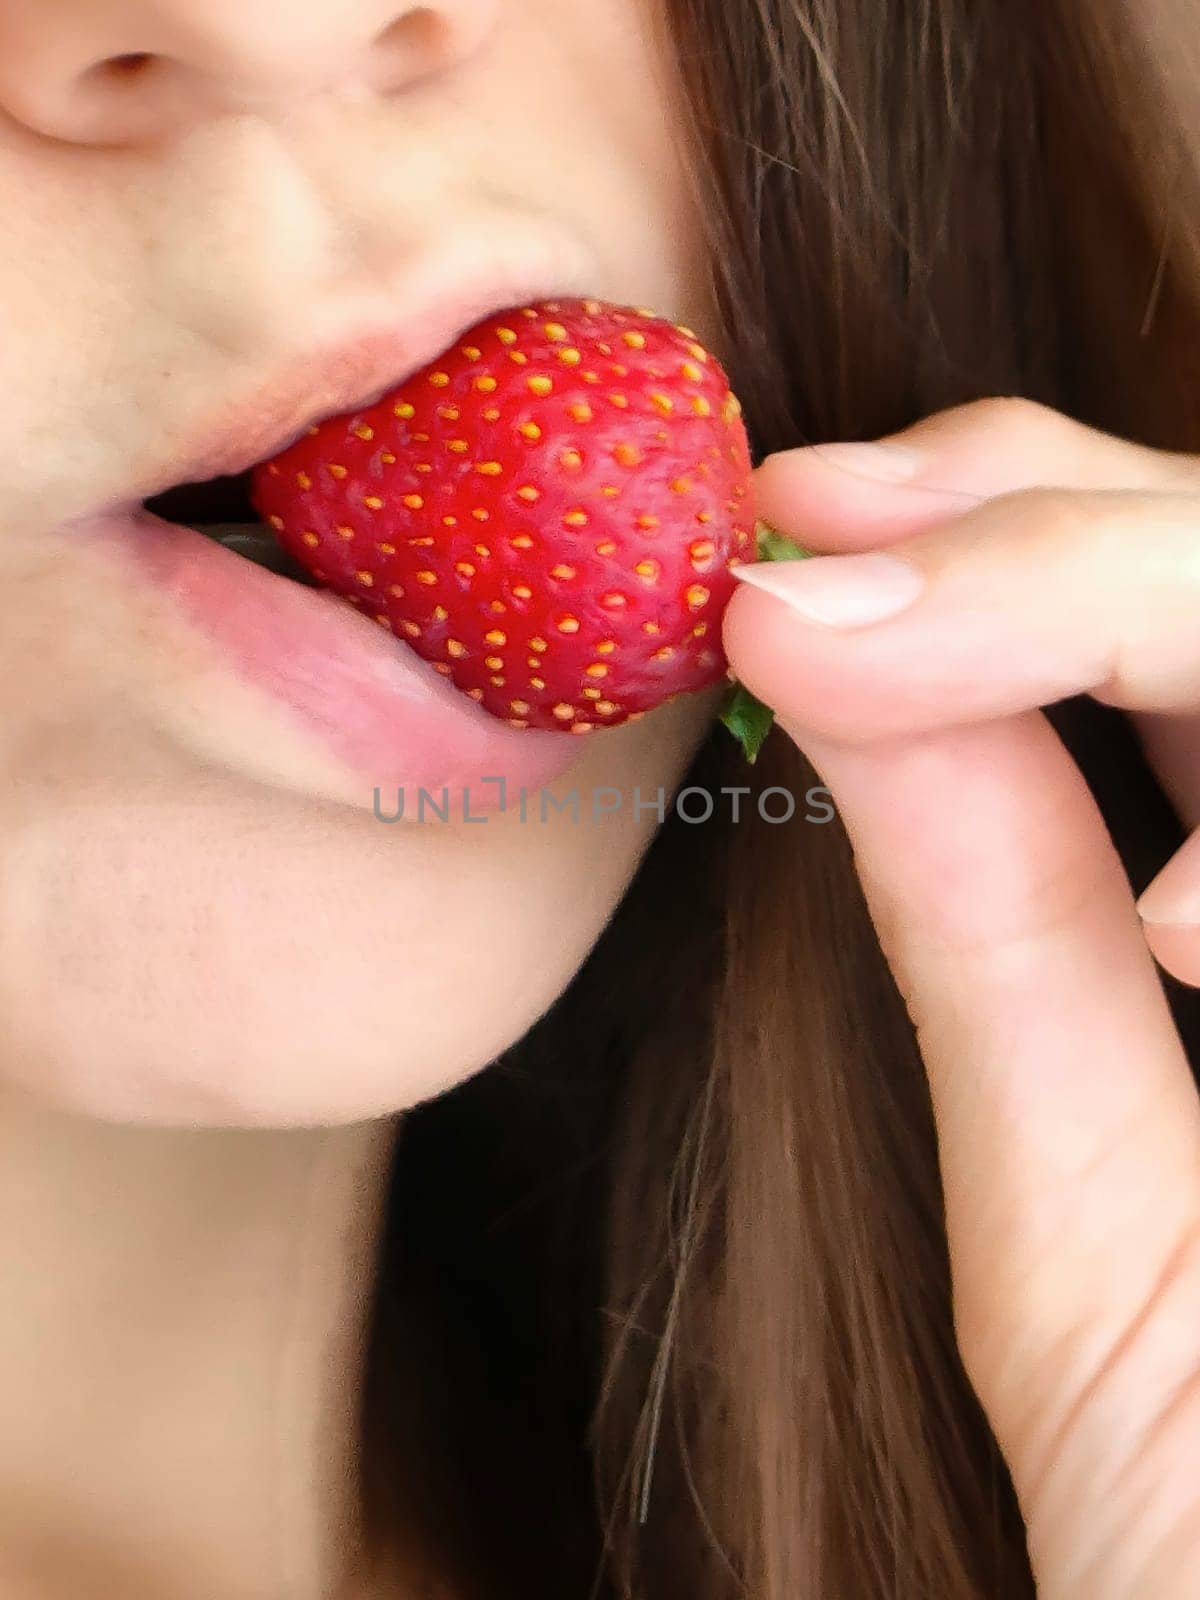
(224, 219)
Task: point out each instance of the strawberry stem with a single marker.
(745, 716)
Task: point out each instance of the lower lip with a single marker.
(385, 716)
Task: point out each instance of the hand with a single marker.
(1027, 559)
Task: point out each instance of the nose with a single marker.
(126, 72)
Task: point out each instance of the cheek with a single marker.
(176, 947)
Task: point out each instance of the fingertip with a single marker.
(1173, 898)
(847, 496)
(1176, 948)
(1170, 912)
(816, 677)
(880, 462)
(738, 623)
(753, 633)
(765, 647)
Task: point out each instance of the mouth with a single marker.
(222, 511)
(313, 664)
(210, 489)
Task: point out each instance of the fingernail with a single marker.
(1168, 903)
(881, 460)
(839, 591)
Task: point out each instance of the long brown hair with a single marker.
(664, 1306)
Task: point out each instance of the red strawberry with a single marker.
(548, 514)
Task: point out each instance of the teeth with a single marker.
(257, 544)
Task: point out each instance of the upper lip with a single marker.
(348, 369)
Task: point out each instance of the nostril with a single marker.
(414, 42)
(132, 67)
(136, 61)
(412, 26)
(123, 98)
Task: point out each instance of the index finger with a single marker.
(844, 497)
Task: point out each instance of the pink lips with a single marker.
(384, 716)
(382, 713)
(350, 367)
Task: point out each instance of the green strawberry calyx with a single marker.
(745, 716)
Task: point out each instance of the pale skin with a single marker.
(202, 926)
(1052, 561)
(183, 1307)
